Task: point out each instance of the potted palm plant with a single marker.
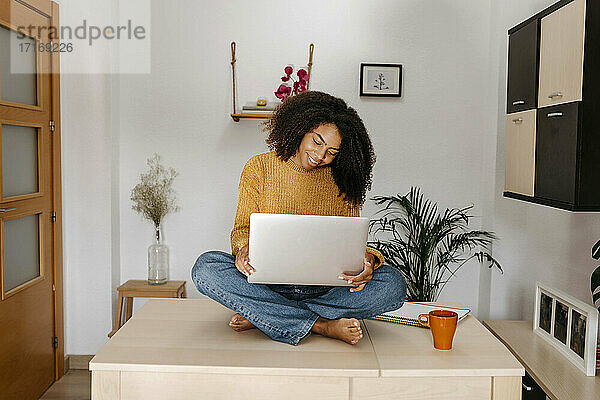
(428, 247)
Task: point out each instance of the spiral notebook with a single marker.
(408, 314)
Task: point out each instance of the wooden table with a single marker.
(184, 349)
(557, 376)
(137, 288)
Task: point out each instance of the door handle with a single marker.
(555, 114)
(527, 388)
(518, 120)
(556, 94)
(516, 103)
(7, 209)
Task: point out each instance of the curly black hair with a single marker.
(352, 167)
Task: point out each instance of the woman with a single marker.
(321, 164)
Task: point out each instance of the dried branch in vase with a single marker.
(154, 196)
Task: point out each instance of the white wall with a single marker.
(87, 168)
(445, 135)
(538, 243)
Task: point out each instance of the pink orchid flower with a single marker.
(283, 92)
(300, 85)
(303, 75)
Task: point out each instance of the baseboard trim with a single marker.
(77, 361)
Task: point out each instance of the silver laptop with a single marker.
(306, 249)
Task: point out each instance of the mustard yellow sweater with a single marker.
(270, 185)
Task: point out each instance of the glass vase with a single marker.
(158, 261)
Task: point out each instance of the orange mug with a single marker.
(443, 326)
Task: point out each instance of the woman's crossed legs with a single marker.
(291, 317)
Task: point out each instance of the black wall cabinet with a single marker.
(523, 65)
(546, 75)
(556, 153)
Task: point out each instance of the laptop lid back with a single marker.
(306, 249)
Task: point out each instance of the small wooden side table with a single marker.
(136, 288)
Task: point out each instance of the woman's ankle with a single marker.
(320, 326)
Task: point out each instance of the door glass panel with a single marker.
(21, 251)
(19, 160)
(17, 67)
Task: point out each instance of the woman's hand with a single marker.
(241, 261)
(364, 277)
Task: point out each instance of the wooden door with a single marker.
(520, 152)
(27, 245)
(523, 68)
(561, 55)
(556, 152)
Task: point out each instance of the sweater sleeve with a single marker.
(355, 212)
(248, 197)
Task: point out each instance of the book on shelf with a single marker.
(409, 313)
(247, 112)
(257, 111)
(253, 107)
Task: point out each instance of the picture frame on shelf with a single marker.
(380, 80)
(568, 324)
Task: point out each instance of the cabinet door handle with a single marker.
(556, 94)
(518, 120)
(555, 114)
(516, 103)
(527, 388)
(7, 209)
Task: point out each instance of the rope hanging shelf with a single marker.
(237, 116)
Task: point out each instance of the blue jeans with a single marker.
(286, 313)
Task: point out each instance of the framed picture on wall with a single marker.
(568, 324)
(380, 80)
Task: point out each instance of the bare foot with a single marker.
(346, 329)
(239, 323)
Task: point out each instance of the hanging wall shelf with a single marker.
(238, 115)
